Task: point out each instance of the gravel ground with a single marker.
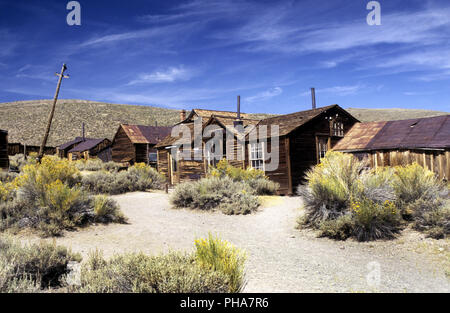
(280, 257)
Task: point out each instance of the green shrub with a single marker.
(340, 228)
(170, 273)
(374, 221)
(139, 177)
(89, 165)
(106, 210)
(219, 255)
(263, 186)
(432, 217)
(331, 186)
(97, 165)
(211, 193)
(31, 267)
(254, 178)
(413, 182)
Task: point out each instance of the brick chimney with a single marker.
(182, 115)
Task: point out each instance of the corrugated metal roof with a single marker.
(359, 136)
(146, 134)
(88, 144)
(432, 132)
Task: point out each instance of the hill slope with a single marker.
(26, 120)
(373, 115)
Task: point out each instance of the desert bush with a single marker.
(331, 186)
(343, 199)
(170, 273)
(413, 182)
(224, 169)
(7, 177)
(340, 228)
(106, 210)
(32, 267)
(18, 161)
(373, 220)
(139, 177)
(219, 255)
(254, 178)
(263, 186)
(432, 217)
(89, 165)
(97, 165)
(233, 197)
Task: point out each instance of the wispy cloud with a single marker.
(270, 93)
(169, 75)
(338, 90)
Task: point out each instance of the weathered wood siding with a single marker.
(163, 162)
(4, 158)
(123, 149)
(437, 161)
(281, 174)
(18, 148)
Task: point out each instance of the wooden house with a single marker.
(63, 150)
(423, 140)
(4, 158)
(19, 148)
(304, 137)
(135, 143)
(91, 149)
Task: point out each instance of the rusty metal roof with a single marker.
(359, 136)
(431, 132)
(146, 134)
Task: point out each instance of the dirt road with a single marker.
(280, 257)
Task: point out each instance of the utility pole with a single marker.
(52, 112)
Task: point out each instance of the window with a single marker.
(338, 129)
(257, 156)
(152, 157)
(322, 146)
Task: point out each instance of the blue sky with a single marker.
(205, 53)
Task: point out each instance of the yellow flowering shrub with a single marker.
(223, 168)
(219, 255)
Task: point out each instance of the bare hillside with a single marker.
(26, 120)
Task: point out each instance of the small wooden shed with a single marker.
(4, 159)
(423, 140)
(135, 143)
(63, 150)
(91, 149)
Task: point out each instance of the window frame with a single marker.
(255, 154)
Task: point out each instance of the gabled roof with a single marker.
(206, 114)
(70, 143)
(88, 144)
(146, 134)
(169, 140)
(290, 122)
(431, 132)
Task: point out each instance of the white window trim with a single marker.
(262, 155)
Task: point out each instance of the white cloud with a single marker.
(337, 90)
(272, 92)
(169, 75)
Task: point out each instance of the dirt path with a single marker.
(280, 258)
